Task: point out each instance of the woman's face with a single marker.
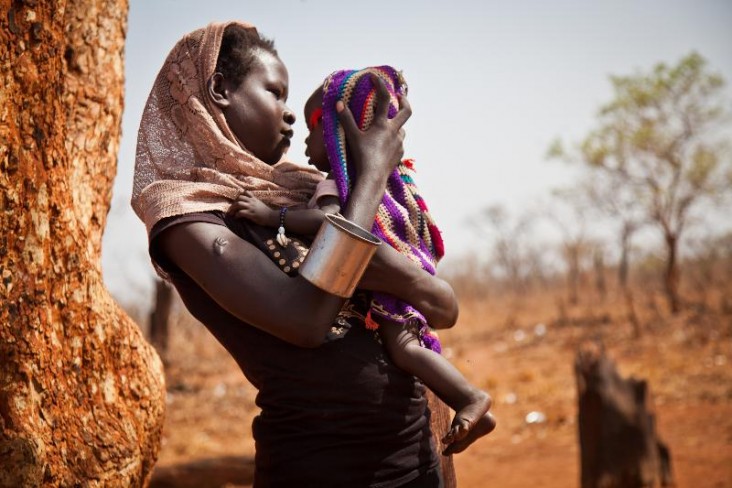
(314, 143)
(257, 113)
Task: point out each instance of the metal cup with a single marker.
(338, 256)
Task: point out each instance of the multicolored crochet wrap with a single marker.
(403, 219)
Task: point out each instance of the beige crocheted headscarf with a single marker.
(187, 159)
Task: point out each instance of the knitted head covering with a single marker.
(402, 220)
(187, 159)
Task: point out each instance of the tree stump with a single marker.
(619, 446)
(82, 394)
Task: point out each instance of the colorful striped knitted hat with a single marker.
(402, 220)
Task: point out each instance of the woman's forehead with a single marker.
(270, 67)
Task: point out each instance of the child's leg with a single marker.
(470, 403)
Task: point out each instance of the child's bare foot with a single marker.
(467, 417)
(485, 426)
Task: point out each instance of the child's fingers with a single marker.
(241, 214)
(243, 200)
(239, 206)
(233, 208)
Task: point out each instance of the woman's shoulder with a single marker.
(214, 217)
(157, 255)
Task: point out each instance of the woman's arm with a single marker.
(244, 282)
(393, 273)
(389, 272)
(368, 149)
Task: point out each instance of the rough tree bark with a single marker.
(81, 392)
(619, 446)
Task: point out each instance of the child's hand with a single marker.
(247, 206)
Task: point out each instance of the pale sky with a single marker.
(491, 84)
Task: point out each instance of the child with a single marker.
(402, 220)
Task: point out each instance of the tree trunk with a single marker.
(624, 256)
(573, 272)
(81, 392)
(619, 447)
(671, 276)
(440, 422)
(160, 318)
(599, 264)
(632, 315)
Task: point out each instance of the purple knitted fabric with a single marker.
(402, 220)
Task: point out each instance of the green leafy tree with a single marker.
(661, 140)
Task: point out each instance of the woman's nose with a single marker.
(289, 116)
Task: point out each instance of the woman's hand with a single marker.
(375, 153)
(377, 150)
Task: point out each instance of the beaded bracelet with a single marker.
(282, 239)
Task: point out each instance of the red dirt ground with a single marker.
(686, 360)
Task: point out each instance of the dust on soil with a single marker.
(522, 352)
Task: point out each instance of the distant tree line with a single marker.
(658, 162)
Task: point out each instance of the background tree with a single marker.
(659, 138)
(569, 216)
(513, 258)
(81, 392)
(605, 197)
(608, 197)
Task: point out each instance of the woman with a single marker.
(335, 410)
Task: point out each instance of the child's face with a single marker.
(314, 144)
(256, 111)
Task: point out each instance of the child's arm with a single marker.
(307, 221)
(301, 221)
